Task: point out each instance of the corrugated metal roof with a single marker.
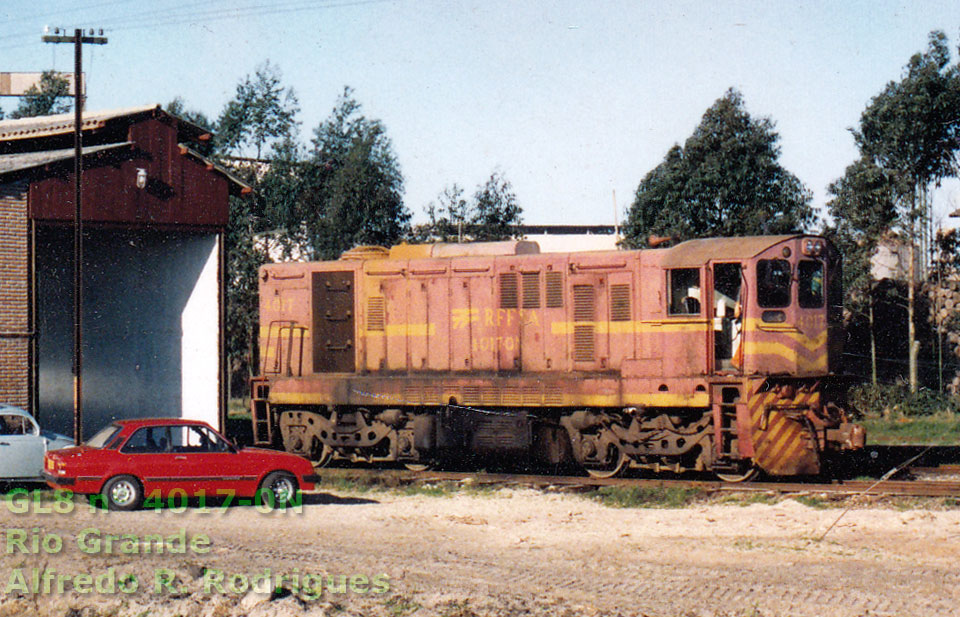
(28, 160)
(45, 126)
(694, 253)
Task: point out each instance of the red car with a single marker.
(171, 459)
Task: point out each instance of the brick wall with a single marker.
(14, 296)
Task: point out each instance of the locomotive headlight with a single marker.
(812, 247)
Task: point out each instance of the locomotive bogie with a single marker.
(712, 355)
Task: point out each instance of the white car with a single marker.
(23, 444)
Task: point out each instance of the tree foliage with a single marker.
(52, 97)
(908, 137)
(261, 111)
(912, 128)
(492, 214)
(863, 206)
(726, 180)
(353, 187)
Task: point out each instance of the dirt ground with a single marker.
(508, 552)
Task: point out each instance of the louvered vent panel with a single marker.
(583, 339)
(554, 282)
(375, 314)
(531, 290)
(471, 395)
(411, 394)
(619, 303)
(553, 395)
(508, 290)
(583, 303)
(531, 395)
(490, 396)
(431, 395)
(511, 395)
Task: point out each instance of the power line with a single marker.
(154, 19)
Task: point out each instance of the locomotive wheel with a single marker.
(617, 462)
(747, 473)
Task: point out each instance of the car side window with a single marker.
(148, 440)
(12, 424)
(213, 443)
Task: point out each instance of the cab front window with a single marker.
(811, 284)
(773, 283)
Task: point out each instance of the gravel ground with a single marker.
(509, 552)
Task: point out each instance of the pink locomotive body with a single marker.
(716, 354)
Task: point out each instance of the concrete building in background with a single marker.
(154, 213)
(567, 238)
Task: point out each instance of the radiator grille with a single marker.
(508, 290)
(583, 303)
(583, 338)
(531, 290)
(375, 314)
(554, 281)
(620, 303)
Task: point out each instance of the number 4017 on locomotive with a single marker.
(714, 354)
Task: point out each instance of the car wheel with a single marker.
(282, 487)
(123, 493)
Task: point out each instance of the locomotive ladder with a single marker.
(725, 419)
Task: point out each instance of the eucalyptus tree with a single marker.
(911, 131)
(726, 180)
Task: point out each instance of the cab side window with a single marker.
(684, 291)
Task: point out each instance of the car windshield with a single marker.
(103, 436)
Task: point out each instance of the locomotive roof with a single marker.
(697, 252)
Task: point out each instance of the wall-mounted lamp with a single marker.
(141, 178)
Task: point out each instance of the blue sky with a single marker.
(572, 101)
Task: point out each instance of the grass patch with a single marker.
(747, 499)
(818, 503)
(645, 497)
(942, 428)
(430, 490)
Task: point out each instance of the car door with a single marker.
(151, 454)
(222, 473)
(21, 447)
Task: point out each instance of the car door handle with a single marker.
(3, 443)
(179, 458)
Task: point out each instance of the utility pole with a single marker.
(78, 39)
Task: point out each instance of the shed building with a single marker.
(153, 287)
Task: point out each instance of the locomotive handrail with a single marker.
(282, 325)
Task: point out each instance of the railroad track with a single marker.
(396, 477)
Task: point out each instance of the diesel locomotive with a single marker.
(718, 355)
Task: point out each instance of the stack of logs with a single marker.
(944, 311)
